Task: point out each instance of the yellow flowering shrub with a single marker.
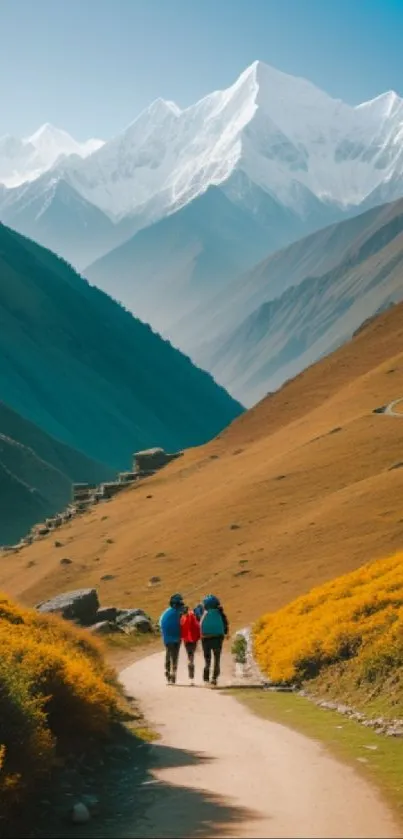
(354, 622)
(55, 690)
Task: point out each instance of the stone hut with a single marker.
(150, 460)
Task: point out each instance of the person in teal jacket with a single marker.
(170, 625)
(213, 629)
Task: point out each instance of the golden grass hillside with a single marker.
(55, 693)
(349, 633)
(295, 492)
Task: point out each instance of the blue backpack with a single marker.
(212, 624)
(170, 624)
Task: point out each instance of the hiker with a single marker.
(171, 634)
(190, 635)
(213, 629)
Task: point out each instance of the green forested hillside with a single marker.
(87, 372)
(36, 474)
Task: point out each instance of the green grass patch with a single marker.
(143, 732)
(239, 649)
(380, 697)
(345, 738)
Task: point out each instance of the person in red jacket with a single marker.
(190, 635)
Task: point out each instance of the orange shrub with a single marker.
(54, 688)
(356, 620)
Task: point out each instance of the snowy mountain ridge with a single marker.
(282, 132)
(279, 148)
(26, 160)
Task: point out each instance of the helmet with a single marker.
(176, 601)
(211, 602)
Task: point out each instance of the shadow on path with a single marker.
(134, 805)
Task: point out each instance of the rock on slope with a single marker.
(36, 474)
(297, 491)
(80, 367)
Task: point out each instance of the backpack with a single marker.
(170, 625)
(190, 629)
(212, 624)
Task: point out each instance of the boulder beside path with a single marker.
(80, 606)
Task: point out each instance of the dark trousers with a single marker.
(171, 658)
(212, 646)
(190, 648)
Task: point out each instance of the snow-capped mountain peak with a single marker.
(25, 160)
(273, 131)
(382, 106)
(47, 131)
(53, 142)
(283, 133)
(157, 112)
(161, 107)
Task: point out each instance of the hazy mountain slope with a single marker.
(298, 490)
(312, 255)
(283, 224)
(31, 488)
(167, 269)
(22, 505)
(51, 212)
(36, 474)
(60, 219)
(72, 463)
(79, 366)
(184, 274)
(288, 332)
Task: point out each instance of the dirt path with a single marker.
(218, 771)
(391, 408)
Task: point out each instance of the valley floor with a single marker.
(220, 771)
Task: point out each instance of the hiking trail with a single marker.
(220, 771)
(390, 409)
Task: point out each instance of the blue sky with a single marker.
(90, 66)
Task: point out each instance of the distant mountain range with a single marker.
(276, 145)
(256, 328)
(88, 373)
(204, 221)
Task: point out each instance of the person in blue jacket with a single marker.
(213, 629)
(170, 625)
